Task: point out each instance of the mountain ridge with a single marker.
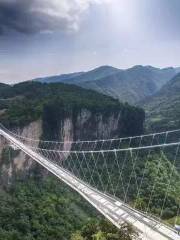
(77, 76)
(128, 85)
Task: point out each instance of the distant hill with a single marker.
(81, 77)
(59, 78)
(4, 88)
(131, 85)
(177, 70)
(3, 85)
(163, 109)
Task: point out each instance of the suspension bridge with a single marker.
(122, 178)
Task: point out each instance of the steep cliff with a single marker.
(82, 125)
(34, 205)
(61, 113)
(14, 163)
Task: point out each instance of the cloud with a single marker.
(38, 16)
(162, 18)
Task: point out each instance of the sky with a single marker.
(49, 37)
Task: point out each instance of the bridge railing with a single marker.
(144, 172)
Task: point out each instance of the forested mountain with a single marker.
(177, 70)
(163, 109)
(35, 206)
(130, 85)
(3, 85)
(81, 77)
(32, 99)
(65, 113)
(41, 209)
(3, 88)
(60, 78)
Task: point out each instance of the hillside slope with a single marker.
(38, 206)
(63, 113)
(163, 109)
(81, 77)
(131, 85)
(3, 88)
(32, 99)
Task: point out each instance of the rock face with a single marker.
(85, 124)
(15, 163)
(103, 127)
(71, 126)
(89, 126)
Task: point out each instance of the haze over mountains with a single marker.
(129, 85)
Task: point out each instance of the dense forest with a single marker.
(30, 101)
(43, 209)
(145, 179)
(162, 109)
(46, 209)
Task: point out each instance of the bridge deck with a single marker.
(110, 207)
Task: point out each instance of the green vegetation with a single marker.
(128, 85)
(4, 88)
(43, 209)
(163, 109)
(7, 156)
(103, 230)
(53, 103)
(160, 187)
(131, 119)
(171, 221)
(47, 210)
(33, 100)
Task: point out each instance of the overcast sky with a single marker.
(50, 37)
